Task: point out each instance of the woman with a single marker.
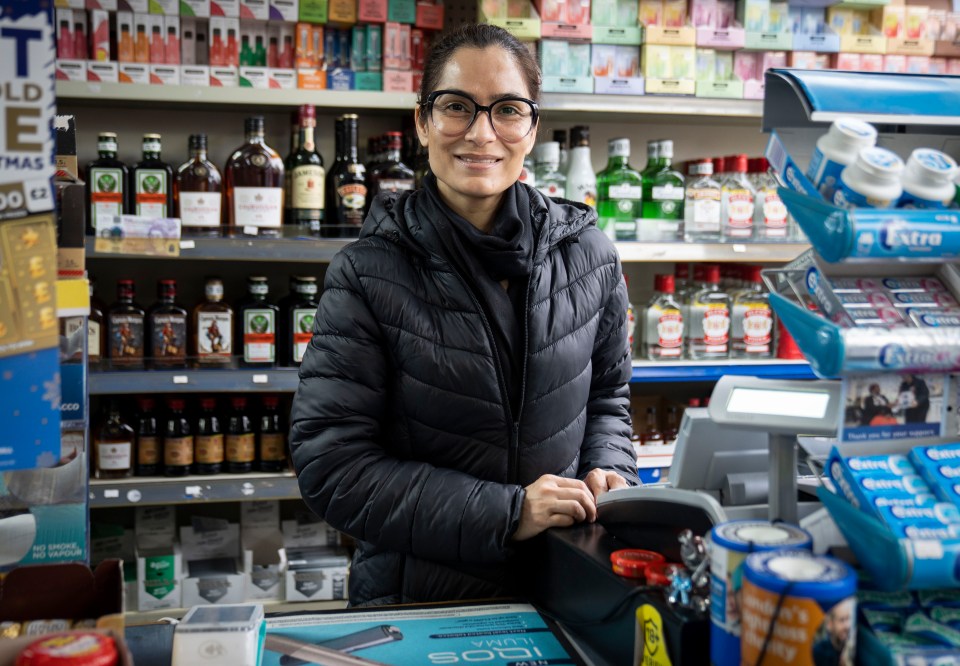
(466, 385)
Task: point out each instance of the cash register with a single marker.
(742, 448)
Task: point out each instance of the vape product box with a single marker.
(374, 81)
(224, 42)
(131, 72)
(72, 34)
(225, 8)
(706, 65)
(135, 6)
(397, 80)
(846, 62)
(316, 573)
(190, 49)
(253, 43)
(372, 11)
(164, 7)
(429, 14)
(895, 64)
(71, 70)
(674, 13)
(392, 50)
(650, 12)
(212, 563)
(142, 24)
(195, 75)
(342, 11)
(105, 5)
(280, 49)
(918, 64)
(258, 10)
(165, 75)
(159, 560)
(871, 62)
(224, 77)
(703, 13)
(893, 20)
(358, 48)
(255, 77)
(100, 36)
(938, 66)
(418, 49)
(309, 46)
(264, 557)
(754, 15)
(171, 45)
(282, 78)
(313, 11)
(311, 79)
(916, 21)
(374, 44)
(195, 8)
(405, 11)
(158, 45)
(284, 10)
(103, 72)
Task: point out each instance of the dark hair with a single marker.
(478, 36)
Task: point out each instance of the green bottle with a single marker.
(663, 196)
(619, 194)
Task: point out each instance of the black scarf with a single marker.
(486, 259)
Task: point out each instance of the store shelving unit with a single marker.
(161, 491)
(711, 371)
(205, 380)
(138, 618)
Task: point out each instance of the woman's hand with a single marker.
(553, 501)
(600, 481)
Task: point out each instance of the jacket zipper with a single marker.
(515, 442)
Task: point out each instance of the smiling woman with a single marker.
(466, 384)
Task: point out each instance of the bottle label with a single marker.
(303, 319)
(739, 215)
(586, 193)
(716, 328)
(209, 449)
(553, 190)
(169, 336)
(824, 173)
(670, 333)
(259, 336)
(107, 146)
(241, 448)
(114, 455)
(148, 450)
(273, 447)
(912, 201)
(526, 176)
(126, 333)
(847, 198)
(258, 207)
(151, 146)
(668, 192)
(757, 329)
(705, 210)
(200, 209)
(106, 194)
(151, 192)
(178, 451)
(395, 185)
(306, 288)
(93, 340)
(625, 191)
(214, 336)
(306, 186)
(774, 214)
(352, 200)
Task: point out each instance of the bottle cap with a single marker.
(619, 147)
(719, 165)
(665, 284)
(633, 562)
(550, 152)
(653, 148)
(763, 165)
(681, 270)
(175, 403)
(699, 272)
(238, 402)
(253, 125)
(198, 142)
(580, 136)
(167, 288)
(271, 401)
(125, 289)
(711, 274)
(852, 134)
(880, 162)
(927, 164)
(752, 274)
(308, 111)
(560, 136)
(702, 168)
(208, 403)
(737, 163)
(106, 136)
(666, 148)
(393, 140)
(146, 404)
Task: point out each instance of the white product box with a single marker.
(284, 79)
(255, 9)
(315, 574)
(264, 558)
(136, 6)
(195, 8)
(308, 533)
(71, 70)
(165, 7)
(159, 561)
(165, 75)
(226, 77)
(614, 85)
(284, 10)
(171, 36)
(195, 75)
(255, 77)
(134, 73)
(228, 8)
(212, 569)
(105, 5)
(103, 72)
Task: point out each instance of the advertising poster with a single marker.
(494, 634)
(889, 407)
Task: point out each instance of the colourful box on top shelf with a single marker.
(820, 42)
(368, 80)
(615, 35)
(342, 11)
(284, 10)
(372, 11)
(910, 46)
(768, 41)
(313, 11)
(729, 39)
(808, 60)
(429, 14)
(195, 8)
(864, 43)
(566, 66)
(660, 35)
(616, 69)
(106, 5)
(520, 19)
(669, 69)
(402, 11)
(311, 79)
(614, 12)
(568, 19)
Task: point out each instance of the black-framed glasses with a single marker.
(453, 113)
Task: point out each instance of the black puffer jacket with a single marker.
(401, 430)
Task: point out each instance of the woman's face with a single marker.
(477, 164)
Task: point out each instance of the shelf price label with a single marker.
(181, 379)
(739, 248)
(111, 493)
(261, 379)
(193, 491)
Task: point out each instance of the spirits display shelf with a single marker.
(293, 248)
(559, 105)
(189, 380)
(160, 490)
(711, 371)
(141, 618)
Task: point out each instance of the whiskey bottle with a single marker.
(212, 330)
(149, 448)
(254, 182)
(272, 443)
(350, 189)
(152, 181)
(197, 191)
(257, 324)
(107, 179)
(96, 336)
(208, 442)
(392, 175)
(288, 167)
(167, 328)
(177, 440)
(307, 176)
(240, 441)
(299, 316)
(125, 328)
(651, 431)
(113, 446)
(330, 220)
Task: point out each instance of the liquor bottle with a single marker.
(350, 187)
(208, 443)
(254, 182)
(421, 167)
(256, 322)
(113, 446)
(167, 328)
(619, 194)
(681, 280)
(212, 330)
(663, 323)
(299, 316)
(240, 440)
(273, 440)
(527, 173)
(663, 198)
(671, 426)
(339, 165)
(581, 180)
(125, 328)
(288, 167)
(177, 440)
(752, 324)
(197, 191)
(737, 201)
(771, 218)
(631, 318)
(96, 335)
(653, 163)
(701, 211)
(107, 181)
(152, 181)
(149, 448)
(710, 319)
(560, 136)
(307, 176)
(392, 175)
(650, 434)
(550, 181)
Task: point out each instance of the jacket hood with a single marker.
(395, 217)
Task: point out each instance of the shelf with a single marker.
(139, 618)
(299, 249)
(158, 491)
(558, 104)
(709, 371)
(203, 380)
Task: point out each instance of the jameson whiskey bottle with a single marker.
(125, 327)
(257, 324)
(213, 326)
(107, 179)
(299, 318)
(240, 440)
(208, 444)
(149, 448)
(167, 328)
(177, 440)
(272, 444)
(307, 176)
(152, 181)
(254, 181)
(197, 191)
(113, 446)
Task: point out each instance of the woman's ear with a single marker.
(420, 121)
